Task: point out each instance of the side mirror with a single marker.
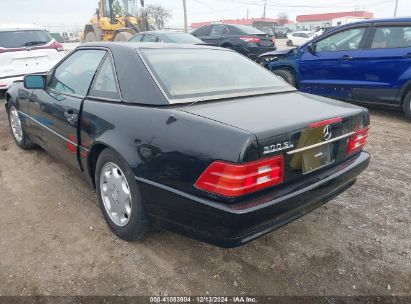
(311, 48)
(35, 82)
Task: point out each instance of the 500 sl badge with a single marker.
(278, 147)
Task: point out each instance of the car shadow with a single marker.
(389, 113)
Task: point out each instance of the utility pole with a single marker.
(265, 5)
(396, 6)
(185, 16)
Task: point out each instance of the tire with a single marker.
(287, 76)
(131, 222)
(90, 37)
(406, 105)
(122, 36)
(19, 135)
(228, 46)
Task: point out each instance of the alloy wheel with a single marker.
(115, 193)
(15, 124)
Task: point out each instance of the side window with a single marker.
(391, 37)
(217, 31)
(202, 31)
(136, 38)
(342, 41)
(74, 75)
(105, 84)
(149, 38)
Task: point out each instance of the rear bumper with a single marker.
(254, 52)
(231, 225)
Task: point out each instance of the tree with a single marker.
(282, 18)
(159, 14)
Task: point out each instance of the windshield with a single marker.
(125, 7)
(201, 74)
(182, 38)
(19, 39)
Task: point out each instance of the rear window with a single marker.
(248, 30)
(18, 39)
(201, 74)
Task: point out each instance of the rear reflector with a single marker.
(357, 141)
(323, 123)
(234, 180)
(250, 39)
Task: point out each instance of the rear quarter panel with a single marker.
(162, 144)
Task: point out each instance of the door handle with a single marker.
(346, 57)
(407, 55)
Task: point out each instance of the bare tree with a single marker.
(159, 14)
(282, 18)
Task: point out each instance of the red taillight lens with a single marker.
(250, 39)
(234, 180)
(323, 123)
(57, 46)
(357, 141)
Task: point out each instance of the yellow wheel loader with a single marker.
(115, 20)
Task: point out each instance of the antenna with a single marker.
(265, 5)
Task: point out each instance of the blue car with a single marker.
(365, 62)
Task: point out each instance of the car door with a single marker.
(55, 111)
(216, 33)
(332, 66)
(387, 64)
(202, 32)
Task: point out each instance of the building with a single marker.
(311, 22)
(256, 22)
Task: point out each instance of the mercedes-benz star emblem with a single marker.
(327, 133)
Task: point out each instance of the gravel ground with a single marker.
(54, 241)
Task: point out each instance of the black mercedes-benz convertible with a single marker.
(198, 140)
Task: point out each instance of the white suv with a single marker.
(26, 49)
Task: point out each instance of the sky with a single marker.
(70, 13)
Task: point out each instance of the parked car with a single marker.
(243, 39)
(268, 30)
(166, 37)
(25, 49)
(281, 32)
(299, 38)
(367, 62)
(171, 139)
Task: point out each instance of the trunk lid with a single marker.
(27, 61)
(287, 122)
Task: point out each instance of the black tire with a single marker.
(287, 76)
(90, 37)
(138, 224)
(227, 46)
(25, 143)
(406, 105)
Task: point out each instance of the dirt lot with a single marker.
(54, 241)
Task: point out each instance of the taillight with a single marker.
(234, 180)
(250, 39)
(323, 123)
(55, 45)
(357, 141)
